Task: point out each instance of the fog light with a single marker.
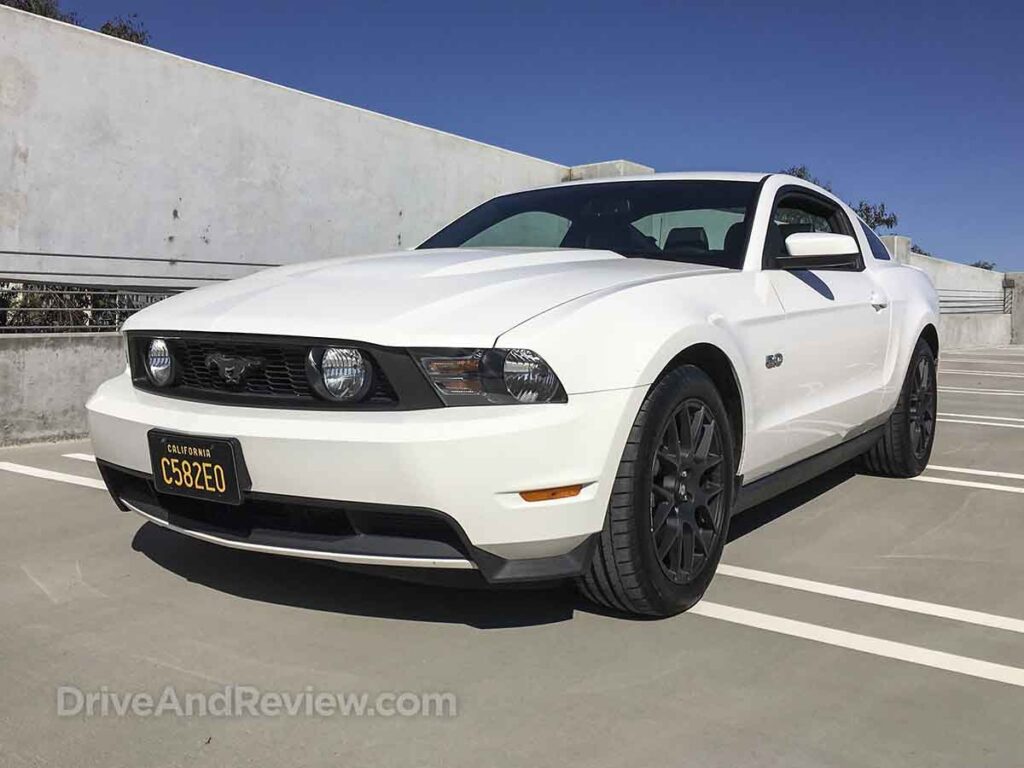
(159, 364)
(339, 373)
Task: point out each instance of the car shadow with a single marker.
(453, 598)
(751, 519)
(438, 597)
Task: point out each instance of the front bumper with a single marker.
(463, 466)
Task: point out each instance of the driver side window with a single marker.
(794, 217)
(796, 211)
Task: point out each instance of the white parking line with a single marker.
(979, 360)
(982, 420)
(968, 484)
(982, 416)
(1011, 351)
(995, 392)
(981, 472)
(963, 665)
(79, 456)
(982, 423)
(959, 371)
(876, 598)
(47, 474)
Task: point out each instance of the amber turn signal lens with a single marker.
(547, 494)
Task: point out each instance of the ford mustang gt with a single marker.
(584, 381)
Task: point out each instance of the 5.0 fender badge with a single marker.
(773, 361)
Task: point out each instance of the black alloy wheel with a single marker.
(908, 435)
(668, 515)
(686, 491)
(921, 407)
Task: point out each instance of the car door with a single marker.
(836, 328)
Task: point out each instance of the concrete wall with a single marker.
(45, 380)
(1015, 282)
(945, 275)
(606, 169)
(116, 149)
(960, 331)
(968, 331)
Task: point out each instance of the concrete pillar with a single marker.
(1014, 283)
(898, 246)
(607, 169)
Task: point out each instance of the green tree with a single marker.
(983, 264)
(875, 215)
(49, 8)
(128, 27)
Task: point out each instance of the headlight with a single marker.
(339, 373)
(528, 378)
(159, 364)
(490, 376)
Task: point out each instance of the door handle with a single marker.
(879, 302)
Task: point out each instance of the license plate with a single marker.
(197, 467)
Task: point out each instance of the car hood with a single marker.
(440, 297)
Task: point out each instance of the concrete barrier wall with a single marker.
(969, 331)
(1015, 281)
(45, 380)
(117, 149)
(945, 275)
(960, 331)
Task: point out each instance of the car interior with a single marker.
(688, 244)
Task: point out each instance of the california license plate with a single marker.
(198, 467)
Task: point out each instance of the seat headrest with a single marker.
(734, 239)
(691, 238)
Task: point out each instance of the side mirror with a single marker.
(819, 250)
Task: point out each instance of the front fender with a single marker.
(625, 338)
(915, 306)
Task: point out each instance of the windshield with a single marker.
(703, 222)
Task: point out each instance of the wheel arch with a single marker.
(713, 361)
(931, 335)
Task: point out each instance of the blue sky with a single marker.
(917, 104)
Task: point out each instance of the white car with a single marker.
(580, 381)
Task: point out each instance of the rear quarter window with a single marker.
(878, 249)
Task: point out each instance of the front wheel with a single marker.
(668, 517)
(906, 444)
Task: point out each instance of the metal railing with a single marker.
(49, 308)
(68, 292)
(964, 301)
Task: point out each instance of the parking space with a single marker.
(856, 621)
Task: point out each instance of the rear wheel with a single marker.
(668, 517)
(906, 444)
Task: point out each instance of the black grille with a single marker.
(281, 373)
(277, 377)
(283, 370)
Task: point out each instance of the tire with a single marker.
(662, 514)
(906, 444)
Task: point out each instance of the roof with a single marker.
(688, 176)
